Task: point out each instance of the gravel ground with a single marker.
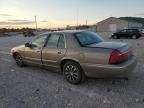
(32, 87)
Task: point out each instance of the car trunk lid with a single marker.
(120, 46)
(109, 45)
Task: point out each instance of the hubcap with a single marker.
(134, 37)
(71, 72)
(18, 59)
(115, 37)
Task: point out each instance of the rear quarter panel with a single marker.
(97, 55)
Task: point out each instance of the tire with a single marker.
(134, 37)
(73, 72)
(19, 60)
(115, 37)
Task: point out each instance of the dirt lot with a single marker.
(32, 87)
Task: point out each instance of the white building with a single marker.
(113, 24)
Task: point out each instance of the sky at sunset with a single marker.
(59, 13)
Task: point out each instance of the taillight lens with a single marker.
(117, 57)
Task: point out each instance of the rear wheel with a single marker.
(19, 60)
(73, 72)
(134, 37)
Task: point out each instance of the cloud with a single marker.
(16, 22)
(44, 21)
(6, 15)
(140, 14)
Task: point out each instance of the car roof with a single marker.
(128, 29)
(132, 29)
(70, 31)
(64, 31)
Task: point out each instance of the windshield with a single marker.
(87, 38)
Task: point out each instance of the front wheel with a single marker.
(73, 72)
(19, 60)
(114, 37)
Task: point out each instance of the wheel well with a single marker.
(137, 36)
(14, 54)
(66, 60)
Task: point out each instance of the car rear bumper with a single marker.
(102, 71)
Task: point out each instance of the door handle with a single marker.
(59, 52)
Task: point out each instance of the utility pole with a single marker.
(36, 22)
(77, 16)
(86, 22)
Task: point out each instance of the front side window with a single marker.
(87, 38)
(129, 30)
(56, 41)
(124, 31)
(39, 41)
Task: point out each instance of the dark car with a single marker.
(127, 33)
(28, 33)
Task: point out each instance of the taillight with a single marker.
(117, 57)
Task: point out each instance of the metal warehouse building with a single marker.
(113, 24)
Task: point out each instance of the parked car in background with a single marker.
(28, 33)
(78, 54)
(127, 33)
(142, 31)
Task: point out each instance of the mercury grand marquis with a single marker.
(77, 54)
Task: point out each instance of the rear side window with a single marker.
(87, 38)
(133, 30)
(56, 41)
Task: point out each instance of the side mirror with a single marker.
(28, 45)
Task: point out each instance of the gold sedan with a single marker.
(78, 54)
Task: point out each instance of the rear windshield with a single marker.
(87, 38)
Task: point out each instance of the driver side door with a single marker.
(33, 54)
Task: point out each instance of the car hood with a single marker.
(108, 45)
(20, 47)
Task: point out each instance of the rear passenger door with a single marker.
(54, 50)
(130, 32)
